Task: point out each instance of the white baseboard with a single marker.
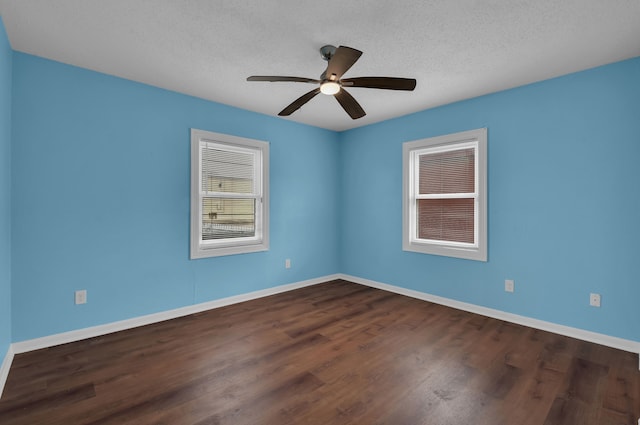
(602, 339)
(77, 335)
(4, 368)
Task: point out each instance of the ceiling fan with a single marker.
(331, 82)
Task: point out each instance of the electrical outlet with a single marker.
(594, 300)
(287, 263)
(509, 285)
(81, 297)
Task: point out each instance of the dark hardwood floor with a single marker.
(335, 353)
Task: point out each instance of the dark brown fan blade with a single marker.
(349, 104)
(388, 83)
(296, 104)
(276, 78)
(341, 61)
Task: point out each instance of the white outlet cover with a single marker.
(81, 297)
(509, 285)
(594, 300)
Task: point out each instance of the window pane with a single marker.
(447, 172)
(224, 218)
(446, 219)
(227, 171)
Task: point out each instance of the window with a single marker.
(229, 195)
(445, 195)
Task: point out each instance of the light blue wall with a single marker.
(6, 56)
(564, 203)
(100, 170)
(101, 200)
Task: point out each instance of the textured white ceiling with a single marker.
(456, 49)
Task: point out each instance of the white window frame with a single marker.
(214, 248)
(476, 139)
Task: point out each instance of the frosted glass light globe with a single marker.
(329, 87)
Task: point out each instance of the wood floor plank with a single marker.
(333, 353)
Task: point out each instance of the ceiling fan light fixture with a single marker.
(330, 83)
(329, 88)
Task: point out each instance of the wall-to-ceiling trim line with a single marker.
(602, 339)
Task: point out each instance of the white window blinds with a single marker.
(229, 195)
(230, 192)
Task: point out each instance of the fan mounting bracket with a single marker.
(327, 52)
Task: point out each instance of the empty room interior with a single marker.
(193, 232)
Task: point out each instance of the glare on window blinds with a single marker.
(447, 219)
(227, 171)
